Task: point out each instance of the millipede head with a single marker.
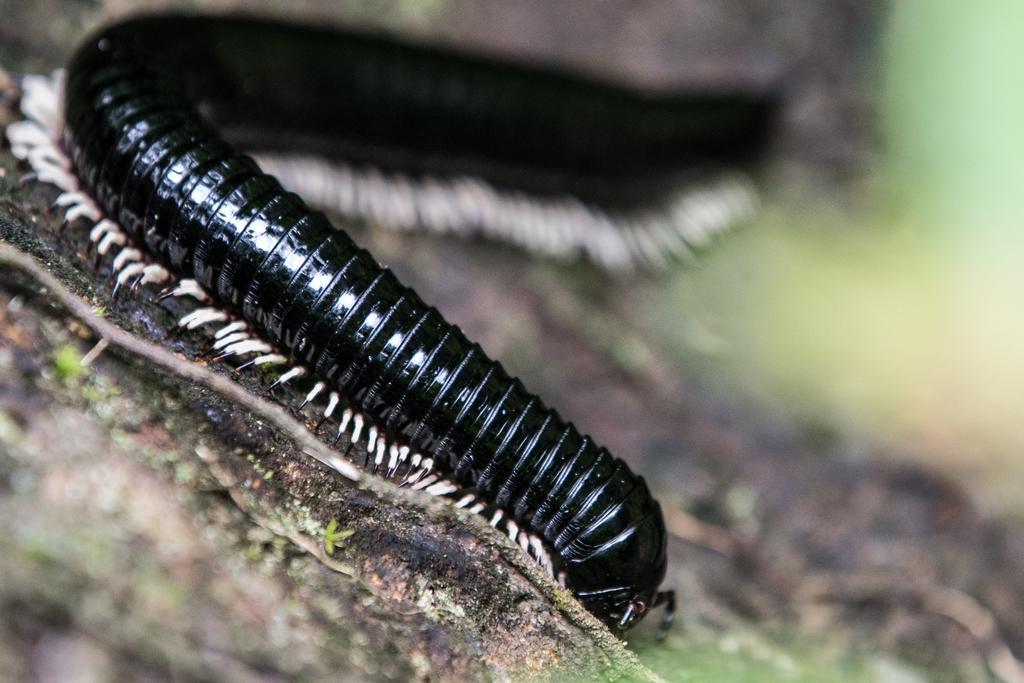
(630, 613)
(620, 608)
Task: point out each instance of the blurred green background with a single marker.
(898, 321)
(902, 316)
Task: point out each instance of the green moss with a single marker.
(185, 473)
(257, 466)
(100, 390)
(253, 552)
(67, 364)
(562, 599)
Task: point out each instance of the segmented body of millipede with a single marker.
(524, 154)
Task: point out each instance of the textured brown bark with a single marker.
(153, 526)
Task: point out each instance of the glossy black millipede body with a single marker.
(162, 169)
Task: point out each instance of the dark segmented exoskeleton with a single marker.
(146, 104)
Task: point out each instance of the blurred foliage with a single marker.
(899, 320)
(719, 665)
(742, 657)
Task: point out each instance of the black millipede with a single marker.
(420, 136)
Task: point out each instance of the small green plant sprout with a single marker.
(333, 536)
